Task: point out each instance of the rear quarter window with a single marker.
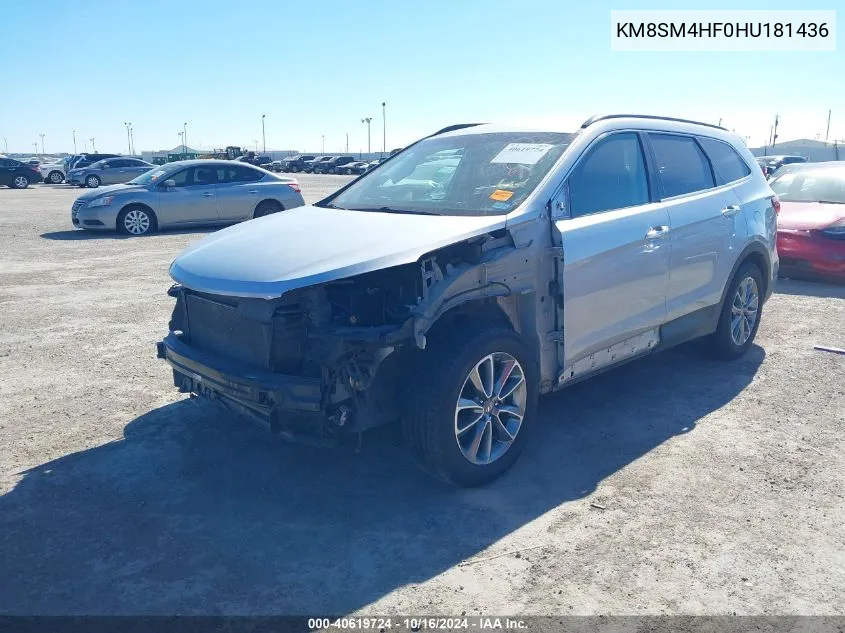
(727, 163)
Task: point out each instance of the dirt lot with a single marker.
(720, 485)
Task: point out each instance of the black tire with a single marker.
(266, 207)
(430, 418)
(19, 181)
(151, 225)
(722, 343)
(55, 177)
(93, 181)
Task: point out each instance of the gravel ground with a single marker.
(671, 485)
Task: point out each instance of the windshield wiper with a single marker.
(392, 210)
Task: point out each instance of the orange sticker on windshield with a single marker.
(501, 195)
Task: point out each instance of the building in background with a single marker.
(813, 150)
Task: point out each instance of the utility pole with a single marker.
(367, 121)
(43, 151)
(128, 140)
(94, 145)
(74, 141)
(263, 137)
(323, 146)
(384, 128)
(775, 133)
(347, 142)
(827, 133)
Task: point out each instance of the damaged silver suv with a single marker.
(471, 272)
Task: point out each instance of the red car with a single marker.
(811, 222)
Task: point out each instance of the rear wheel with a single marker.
(740, 317)
(55, 177)
(92, 181)
(266, 207)
(469, 413)
(136, 220)
(19, 181)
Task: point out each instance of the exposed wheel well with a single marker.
(756, 258)
(472, 313)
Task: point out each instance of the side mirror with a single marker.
(170, 184)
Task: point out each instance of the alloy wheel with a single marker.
(136, 222)
(56, 178)
(21, 182)
(490, 408)
(746, 303)
(93, 182)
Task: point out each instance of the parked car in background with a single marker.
(811, 223)
(84, 160)
(111, 171)
(18, 175)
(770, 164)
(295, 164)
(332, 166)
(186, 193)
(53, 173)
(446, 291)
(310, 166)
(355, 167)
(274, 166)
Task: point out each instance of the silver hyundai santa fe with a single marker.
(473, 271)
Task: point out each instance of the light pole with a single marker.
(323, 147)
(263, 136)
(367, 121)
(94, 145)
(185, 138)
(181, 136)
(347, 142)
(720, 122)
(74, 141)
(35, 145)
(132, 139)
(128, 141)
(256, 146)
(43, 151)
(383, 128)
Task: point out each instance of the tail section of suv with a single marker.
(481, 267)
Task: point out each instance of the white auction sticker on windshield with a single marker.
(522, 153)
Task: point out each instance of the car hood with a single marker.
(269, 256)
(806, 216)
(102, 191)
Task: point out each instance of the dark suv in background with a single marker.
(332, 166)
(296, 163)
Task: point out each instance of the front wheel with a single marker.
(92, 181)
(469, 414)
(55, 177)
(20, 182)
(741, 311)
(136, 221)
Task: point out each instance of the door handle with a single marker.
(208, 194)
(656, 232)
(730, 211)
(253, 191)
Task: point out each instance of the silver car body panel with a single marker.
(309, 245)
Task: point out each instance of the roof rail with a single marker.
(594, 119)
(457, 126)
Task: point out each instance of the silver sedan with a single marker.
(186, 193)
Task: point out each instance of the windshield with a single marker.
(98, 165)
(466, 174)
(148, 177)
(810, 186)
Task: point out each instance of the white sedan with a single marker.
(54, 173)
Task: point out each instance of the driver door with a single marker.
(615, 268)
(192, 201)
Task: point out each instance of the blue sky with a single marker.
(317, 68)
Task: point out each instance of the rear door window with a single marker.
(727, 164)
(681, 165)
(611, 176)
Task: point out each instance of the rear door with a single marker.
(237, 192)
(135, 168)
(193, 200)
(704, 218)
(615, 254)
(7, 169)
